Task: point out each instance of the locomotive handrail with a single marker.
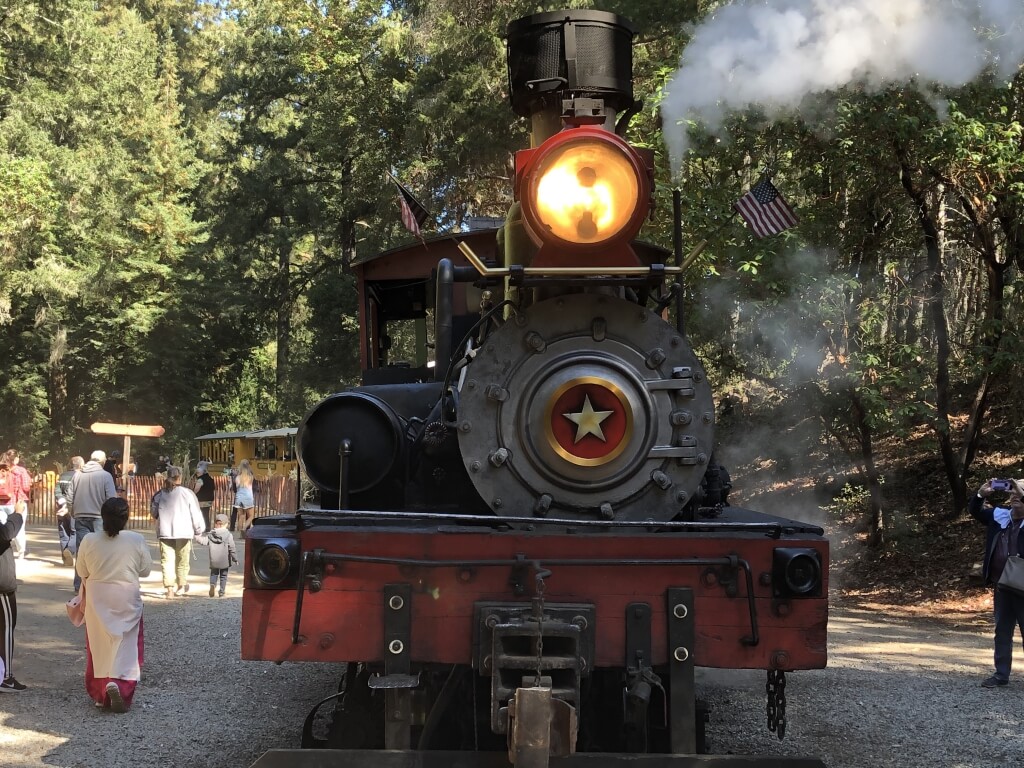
(776, 530)
(486, 271)
(317, 558)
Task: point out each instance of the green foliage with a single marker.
(101, 176)
(850, 503)
(185, 186)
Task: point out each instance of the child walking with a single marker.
(222, 553)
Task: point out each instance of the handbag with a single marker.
(1012, 578)
(76, 607)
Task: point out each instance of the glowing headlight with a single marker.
(585, 191)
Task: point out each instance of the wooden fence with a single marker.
(272, 495)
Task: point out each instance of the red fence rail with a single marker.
(273, 495)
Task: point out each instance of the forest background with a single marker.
(184, 185)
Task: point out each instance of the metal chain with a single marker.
(776, 690)
(476, 720)
(781, 707)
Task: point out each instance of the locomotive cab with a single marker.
(523, 551)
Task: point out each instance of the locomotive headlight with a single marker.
(796, 572)
(275, 562)
(586, 192)
(583, 187)
(272, 565)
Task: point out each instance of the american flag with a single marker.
(414, 215)
(765, 211)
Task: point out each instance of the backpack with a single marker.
(154, 504)
(63, 485)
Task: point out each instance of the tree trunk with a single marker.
(972, 433)
(58, 393)
(934, 296)
(284, 323)
(992, 333)
(876, 521)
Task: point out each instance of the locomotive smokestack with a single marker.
(573, 66)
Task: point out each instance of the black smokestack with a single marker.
(558, 57)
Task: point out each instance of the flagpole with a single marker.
(677, 246)
(412, 209)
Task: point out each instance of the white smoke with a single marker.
(773, 53)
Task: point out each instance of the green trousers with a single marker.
(174, 554)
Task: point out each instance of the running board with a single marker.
(394, 758)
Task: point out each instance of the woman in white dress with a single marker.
(111, 562)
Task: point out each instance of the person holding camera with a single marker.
(1003, 539)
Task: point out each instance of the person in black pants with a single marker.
(65, 523)
(8, 603)
(1003, 539)
(204, 489)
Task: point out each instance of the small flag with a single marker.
(765, 211)
(414, 215)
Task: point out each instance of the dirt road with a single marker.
(896, 693)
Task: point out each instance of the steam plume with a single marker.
(775, 53)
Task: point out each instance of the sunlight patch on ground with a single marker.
(972, 611)
(873, 640)
(11, 737)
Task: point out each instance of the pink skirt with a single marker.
(96, 687)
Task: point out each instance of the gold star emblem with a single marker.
(588, 421)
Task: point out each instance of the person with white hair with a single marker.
(89, 489)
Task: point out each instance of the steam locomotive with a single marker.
(521, 554)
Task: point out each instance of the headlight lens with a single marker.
(802, 574)
(272, 565)
(796, 572)
(585, 191)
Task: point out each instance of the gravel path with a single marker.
(896, 693)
